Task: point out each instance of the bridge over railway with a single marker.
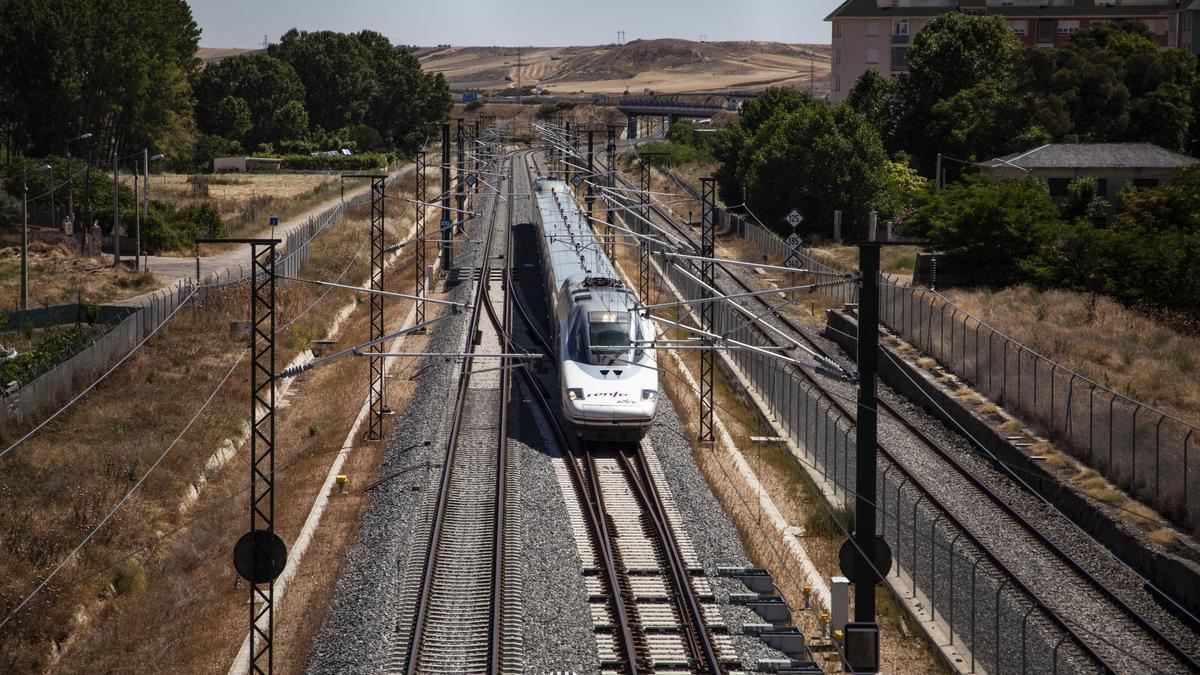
(670, 108)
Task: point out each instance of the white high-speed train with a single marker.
(608, 380)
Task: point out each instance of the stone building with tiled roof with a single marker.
(1113, 165)
(876, 33)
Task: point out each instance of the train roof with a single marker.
(575, 255)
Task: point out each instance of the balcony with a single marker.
(898, 39)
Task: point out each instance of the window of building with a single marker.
(1156, 26)
(837, 29)
(1058, 186)
(872, 29)
(1145, 183)
(1067, 26)
(899, 26)
(872, 56)
(1185, 21)
(1045, 30)
(837, 56)
(899, 59)
(1019, 28)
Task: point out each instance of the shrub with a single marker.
(547, 110)
(366, 161)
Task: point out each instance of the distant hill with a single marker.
(664, 65)
(213, 54)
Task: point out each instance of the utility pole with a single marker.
(145, 206)
(375, 384)
(610, 240)
(24, 304)
(447, 224)
(937, 172)
(518, 76)
(116, 231)
(591, 172)
(708, 188)
(419, 252)
(460, 183)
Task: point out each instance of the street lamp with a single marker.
(146, 159)
(71, 177)
(25, 231)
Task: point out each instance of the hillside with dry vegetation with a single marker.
(664, 65)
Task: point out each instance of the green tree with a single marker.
(902, 192)
(999, 231)
(232, 119)
(871, 97)
(729, 144)
(1111, 83)
(985, 120)
(119, 69)
(290, 122)
(265, 83)
(955, 52)
(816, 158)
(1150, 255)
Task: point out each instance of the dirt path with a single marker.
(169, 270)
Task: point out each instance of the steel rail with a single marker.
(925, 439)
(431, 556)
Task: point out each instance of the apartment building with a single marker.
(876, 33)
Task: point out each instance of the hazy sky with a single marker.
(242, 23)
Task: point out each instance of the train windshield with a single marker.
(609, 329)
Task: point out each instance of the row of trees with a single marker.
(973, 92)
(126, 71)
(319, 90)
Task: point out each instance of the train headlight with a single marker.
(575, 394)
(649, 394)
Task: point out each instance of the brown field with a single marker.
(59, 277)
(663, 65)
(107, 612)
(232, 194)
(1117, 347)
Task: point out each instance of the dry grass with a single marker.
(58, 277)
(1163, 536)
(927, 363)
(129, 617)
(1010, 425)
(793, 493)
(988, 408)
(232, 194)
(1119, 348)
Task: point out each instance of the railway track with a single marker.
(650, 604)
(467, 613)
(1109, 630)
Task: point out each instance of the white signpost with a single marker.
(793, 241)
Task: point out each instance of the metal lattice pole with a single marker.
(459, 194)
(446, 222)
(591, 173)
(644, 245)
(419, 251)
(262, 446)
(707, 356)
(610, 238)
(375, 420)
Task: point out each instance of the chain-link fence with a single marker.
(65, 379)
(1148, 453)
(972, 597)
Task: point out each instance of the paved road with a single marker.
(169, 270)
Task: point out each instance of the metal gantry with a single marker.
(419, 251)
(610, 238)
(262, 444)
(707, 356)
(591, 173)
(375, 375)
(446, 223)
(460, 177)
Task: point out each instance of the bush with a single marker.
(56, 346)
(171, 230)
(474, 105)
(364, 162)
(998, 231)
(675, 154)
(548, 110)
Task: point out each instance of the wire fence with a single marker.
(63, 379)
(970, 595)
(1148, 453)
